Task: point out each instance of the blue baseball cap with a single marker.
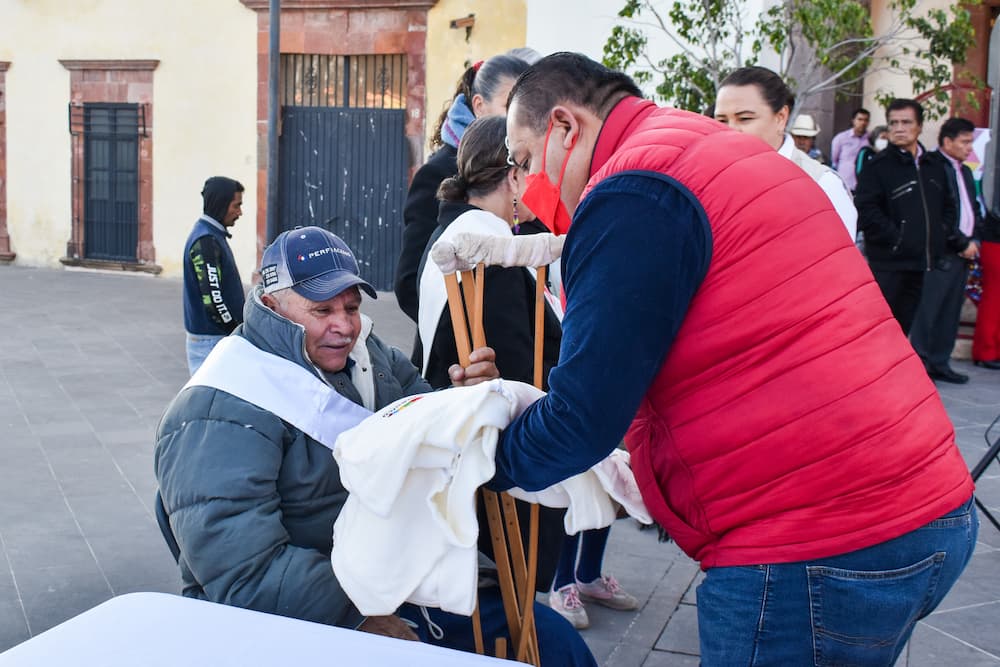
(317, 264)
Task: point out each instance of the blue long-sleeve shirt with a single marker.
(638, 250)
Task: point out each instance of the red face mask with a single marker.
(544, 198)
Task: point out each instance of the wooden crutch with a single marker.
(458, 325)
(525, 571)
(517, 587)
(508, 590)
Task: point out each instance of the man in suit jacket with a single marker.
(936, 324)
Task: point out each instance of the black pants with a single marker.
(901, 290)
(935, 326)
(559, 644)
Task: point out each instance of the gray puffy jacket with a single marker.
(252, 499)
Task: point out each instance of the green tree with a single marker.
(831, 44)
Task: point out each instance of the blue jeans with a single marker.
(198, 347)
(857, 608)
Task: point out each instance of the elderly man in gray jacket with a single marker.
(243, 456)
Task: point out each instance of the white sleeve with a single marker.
(842, 201)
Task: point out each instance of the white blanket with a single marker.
(408, 531)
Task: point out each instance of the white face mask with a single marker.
(880, 144)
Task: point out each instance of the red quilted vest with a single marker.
(791, 419)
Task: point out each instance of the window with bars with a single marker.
(362, 81)
(111, 180)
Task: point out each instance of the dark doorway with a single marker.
(345, 170)
(111, 183)
(344, 155)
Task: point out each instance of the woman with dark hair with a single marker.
(483, 199)
(482, 91)
(754, 100)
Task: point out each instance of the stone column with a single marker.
(6, 255)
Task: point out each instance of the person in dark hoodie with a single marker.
(213, 292)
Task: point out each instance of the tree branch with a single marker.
(712, 39)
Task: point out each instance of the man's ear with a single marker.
(269, 301)
(564, 118)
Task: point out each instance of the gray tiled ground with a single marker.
(89, 360)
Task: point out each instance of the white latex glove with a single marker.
(467, 250)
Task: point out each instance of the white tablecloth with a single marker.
(157, 629)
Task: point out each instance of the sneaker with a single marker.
(566, 603)
(606, 591)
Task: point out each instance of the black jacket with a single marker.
(988, 226)
(420, 219)
(969, 182)
(909, 217)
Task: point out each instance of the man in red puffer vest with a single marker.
(782, 429)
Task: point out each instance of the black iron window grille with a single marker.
(130, 119)
(109, 178)
(375, 81)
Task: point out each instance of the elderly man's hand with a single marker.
(388, 626)
(482, 367)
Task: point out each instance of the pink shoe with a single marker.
(605, 590)
(566, 603)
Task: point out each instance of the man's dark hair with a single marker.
(901, 103)
(854, 114)
(951, 128)
(568, 77)
(772, 88)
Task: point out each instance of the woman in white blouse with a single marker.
(754, 100)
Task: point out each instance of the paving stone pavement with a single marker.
(88, 362)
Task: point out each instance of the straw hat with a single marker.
(804, 126)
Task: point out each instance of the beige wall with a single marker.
(204, 112)
(898, 85)
(499, 26)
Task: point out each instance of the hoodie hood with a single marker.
(216, 196)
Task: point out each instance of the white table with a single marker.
(154, 629)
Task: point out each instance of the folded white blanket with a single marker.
(408, 531)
